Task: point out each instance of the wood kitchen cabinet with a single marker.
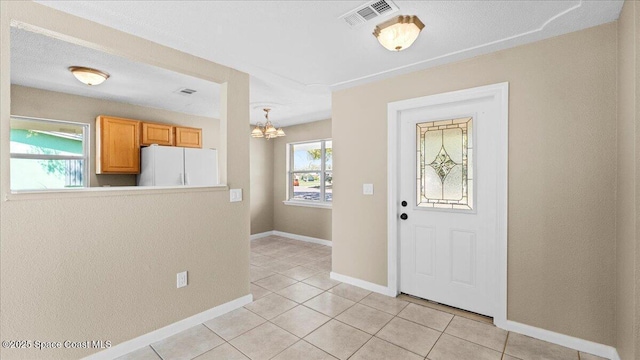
(161, 134)
(117, 145)
(188, 137)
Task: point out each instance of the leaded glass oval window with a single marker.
(445, 169)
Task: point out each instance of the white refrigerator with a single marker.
(176, 166)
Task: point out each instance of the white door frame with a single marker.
(500, 92)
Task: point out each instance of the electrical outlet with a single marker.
(182, 279)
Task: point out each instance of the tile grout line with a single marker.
(361, 346)
(374, 308)
(353, 327)
(428, 307)
(504, 349)
(316, 346)
(330, 318)
(411, 321)
(472, 342)
(300, 338)
(265, 322)
(458, 312)
(439, 337)
(237, 336)
(434, 345)
(383, 326)
(154, 350)
(240, 351)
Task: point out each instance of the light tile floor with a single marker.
(299, 312)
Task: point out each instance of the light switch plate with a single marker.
(367, 189)
(235, 195)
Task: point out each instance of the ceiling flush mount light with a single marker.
(88, 76)
(398, 33)
(267, 131)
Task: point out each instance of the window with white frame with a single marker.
(310, 171)
(48, 154)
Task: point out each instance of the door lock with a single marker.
(404, 216)
(404, 204)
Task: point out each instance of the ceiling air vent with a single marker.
(185, 91)
(369, 11)
(381, 7)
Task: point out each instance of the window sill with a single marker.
(107, 191)
(326, 205)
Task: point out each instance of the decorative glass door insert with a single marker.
(445, 167)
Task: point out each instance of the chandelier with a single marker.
(267, 131)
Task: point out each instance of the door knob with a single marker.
(404, 216)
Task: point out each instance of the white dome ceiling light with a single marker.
(398, 33)
(88, 76)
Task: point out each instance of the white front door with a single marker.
(448, 194)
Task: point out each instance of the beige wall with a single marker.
(103, 265)
(261, 185)
(562, 136)
(306, 221)
(38, 103)
(626, 294)
(636, 340)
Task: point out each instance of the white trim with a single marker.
(501, 93)
(362, 284)
(18, 195)
(172, 329)
(502, 204)
(291, 236)
(260, 235)
(571, 342)
(303, 238)
(393, 155)
(308, 141)
(319, 205)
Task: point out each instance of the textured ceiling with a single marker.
(42, 62)
(297, 52)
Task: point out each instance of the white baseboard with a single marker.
(163, 333)
(363, 284)
(260, 235)
(303, 238)
(585, 346)
(589, 347)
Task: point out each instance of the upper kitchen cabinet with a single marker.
(161, 134)
(117, 145)
(188, 137)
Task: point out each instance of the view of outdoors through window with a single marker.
(47, 154)
(311, 171)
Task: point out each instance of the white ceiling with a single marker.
(297, 52)
(42, 62)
